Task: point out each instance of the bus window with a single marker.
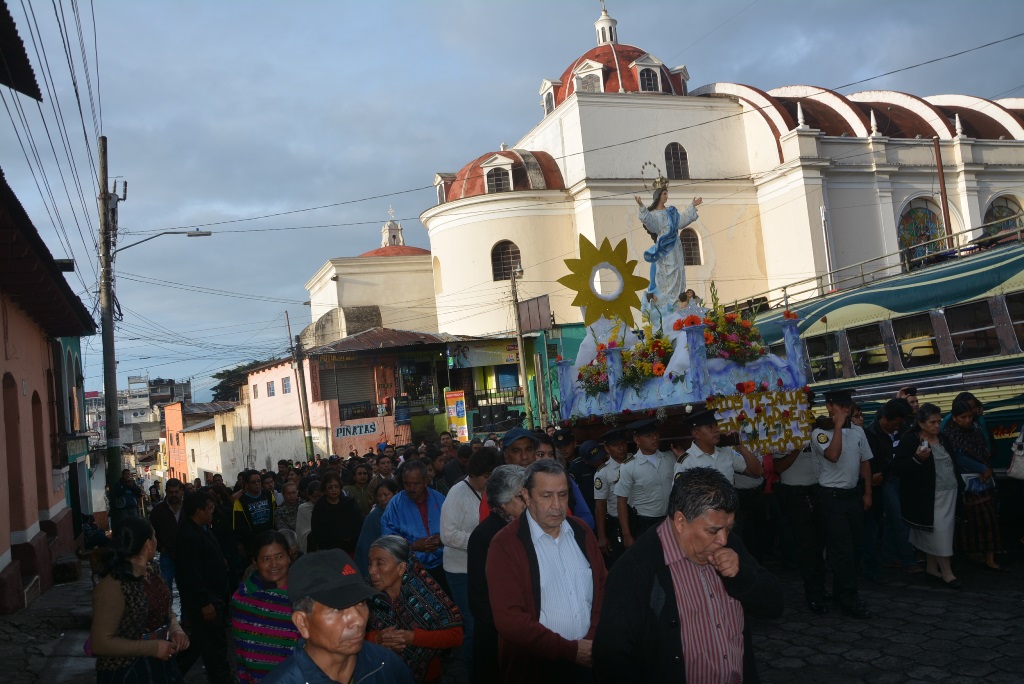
(867, 349)
(823, 353)
(778, 349)
(972, 331)
(916, 340)
(1015, 304)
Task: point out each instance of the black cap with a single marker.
(562, 437)
(516, 434)
(909, 390)
(643, 427)
(592, 452)
(839, 396)
(616, 435)
(702, 418)
(328, 577)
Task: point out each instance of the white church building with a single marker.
(796, 182)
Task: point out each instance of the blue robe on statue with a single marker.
(668, 277)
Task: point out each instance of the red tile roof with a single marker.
(470, 181)
(616, 69)
(396, 250)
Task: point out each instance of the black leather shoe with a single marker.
(859, 611)
(818, 607)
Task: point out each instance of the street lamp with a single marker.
(107, 231)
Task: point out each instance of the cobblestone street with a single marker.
(921, 632)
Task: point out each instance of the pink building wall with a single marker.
(282, 410)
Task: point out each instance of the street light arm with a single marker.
(190, 233)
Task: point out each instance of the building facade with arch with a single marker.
(797, 182)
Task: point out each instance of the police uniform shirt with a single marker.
(742, 481)
(844, 473)
(804, 470)
(604, 486)
(646, 481)
(724, 459)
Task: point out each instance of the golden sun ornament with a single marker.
(611, 305)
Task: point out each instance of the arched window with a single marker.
(690, 241)
(549, 102)
(498, 180)
(437, 276)
(602, 35)
(504, 259)
(648, 80)
(1003, 214)
(440, 193)
(676, 164)
(919, 226)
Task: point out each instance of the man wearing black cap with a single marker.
(844, 455)
(329, 609)
(609, 536)
(565, 446)
(645, 482)
(705, 452)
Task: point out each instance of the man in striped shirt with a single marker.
(674, 603)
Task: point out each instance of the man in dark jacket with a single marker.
(164, 518)
(202, 575)
(546, 579)
(885, 519)
(253, 512)
(329, 609)
(689, 574)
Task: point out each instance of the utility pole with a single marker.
(108, 234)
(297, 358)
(517, 273)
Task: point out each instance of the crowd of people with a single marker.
(530, 558)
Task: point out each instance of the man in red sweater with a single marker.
(546, 577)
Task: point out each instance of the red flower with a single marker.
(558, 358)
(749, 386)
(758, 409)
(626, 412)
(785, 414)
(806, 388)
(779, 382)
(742, 415)
(650, 412)
(764, 386)
(711, 398)
(790, 315)
(741, 386)
(580, 376)
(678, 325)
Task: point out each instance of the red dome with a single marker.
(530, 171)
(616, 60)
(396, 250)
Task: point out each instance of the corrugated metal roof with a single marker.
(385, 338)
(212, 407)
(199, 427)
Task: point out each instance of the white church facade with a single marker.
(796, 182)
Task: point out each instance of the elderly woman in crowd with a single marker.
(261, 614)
(336, 519)
(360, 488)
(135, 634)
(505, 498)
(978, 531)
(413, 617)
(371, 524)
(929, 483)
(285, 516)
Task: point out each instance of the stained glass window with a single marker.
(1003, 214)
(919, 225)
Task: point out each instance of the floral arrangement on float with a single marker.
(772, 420)
(678, 356)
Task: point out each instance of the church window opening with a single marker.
(504, 259)
(549, 102)
(676, 163)
(602, 36)
(918, 231)
(648, 80)
(437, 276)
(591, 83)
(691, 247)
(498, 180)
(1003, 214)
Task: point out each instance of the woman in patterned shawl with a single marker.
(979, 533)
(413, 616)
(261, 614)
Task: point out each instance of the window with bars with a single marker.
(823, 355)
(504, 259)
(691, 247)
(549, 102)
(868, 349)
(648, 80)
(677, 166)
(498, 180)
(270, 388)
(915, 337)
(972, 330)
(286, 385)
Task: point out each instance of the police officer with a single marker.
(645, 482)
(705, 452)
(585, 466)
(798, 475)
(565, 446)
(844, 457)
(609, 536)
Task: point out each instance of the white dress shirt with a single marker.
(566, 581)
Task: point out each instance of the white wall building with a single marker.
(796, 182)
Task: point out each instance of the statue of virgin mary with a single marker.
(663, 223)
